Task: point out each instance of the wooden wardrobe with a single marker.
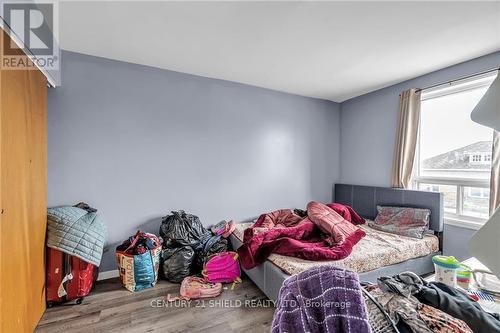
(23, 197)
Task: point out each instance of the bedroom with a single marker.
(230, 111)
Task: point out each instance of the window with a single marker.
(476, 202)
(480, 158)
(450, 195)
(477, 192)
(454, 153)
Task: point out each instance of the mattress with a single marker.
(377, 249)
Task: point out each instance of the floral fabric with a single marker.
(405, 221)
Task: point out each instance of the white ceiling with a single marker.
(330, 50)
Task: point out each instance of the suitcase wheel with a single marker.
(79, 300)
(50, 304)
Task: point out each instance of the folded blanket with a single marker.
(322, 299)
(324, 235)
(347, 212)
(77, 232)
(338, 229)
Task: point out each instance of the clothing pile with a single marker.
(141, 246)
(187, 245)
(322, 232)
(421, 307)
(220, 268)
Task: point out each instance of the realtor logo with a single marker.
(32, 27)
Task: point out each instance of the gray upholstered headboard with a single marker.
(364, 200)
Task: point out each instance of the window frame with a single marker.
(455, 87)
(481, 194)
(460, 184)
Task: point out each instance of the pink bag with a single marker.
(229, 229)
(196, 287)
(223, 228)
(222, 267)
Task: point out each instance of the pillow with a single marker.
(347, 212)
(405, 221)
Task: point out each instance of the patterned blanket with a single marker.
(322, 299)
(77, 232)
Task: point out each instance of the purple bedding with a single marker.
(321, 299)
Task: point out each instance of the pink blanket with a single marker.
(322, 235)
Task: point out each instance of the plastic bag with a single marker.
(176, 263)
(179, 232)
(181, 229)
(207, 247)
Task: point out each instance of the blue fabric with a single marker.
(76, 232)
(144, 271)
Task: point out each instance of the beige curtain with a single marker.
(406, 138)
(495, 174)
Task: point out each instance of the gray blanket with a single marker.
(321, 299)
(76, 232)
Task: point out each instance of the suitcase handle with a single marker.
(68, 270)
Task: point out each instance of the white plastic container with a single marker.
(446, 269)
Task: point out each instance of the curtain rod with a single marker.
(462, 78)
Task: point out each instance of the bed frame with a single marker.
(364, 199)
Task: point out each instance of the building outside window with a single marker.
(478, 192)
(454, 153)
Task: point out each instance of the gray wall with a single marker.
(368, 130)
(455, 240)
(368, 123)
(137, 142)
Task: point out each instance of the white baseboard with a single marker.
(108, 275)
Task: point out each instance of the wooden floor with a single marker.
(111, 308)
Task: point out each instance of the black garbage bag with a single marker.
(181, 229)
(179, 232)
(176, 263)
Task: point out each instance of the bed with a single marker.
(379, 253)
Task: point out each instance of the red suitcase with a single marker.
(60, 287)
